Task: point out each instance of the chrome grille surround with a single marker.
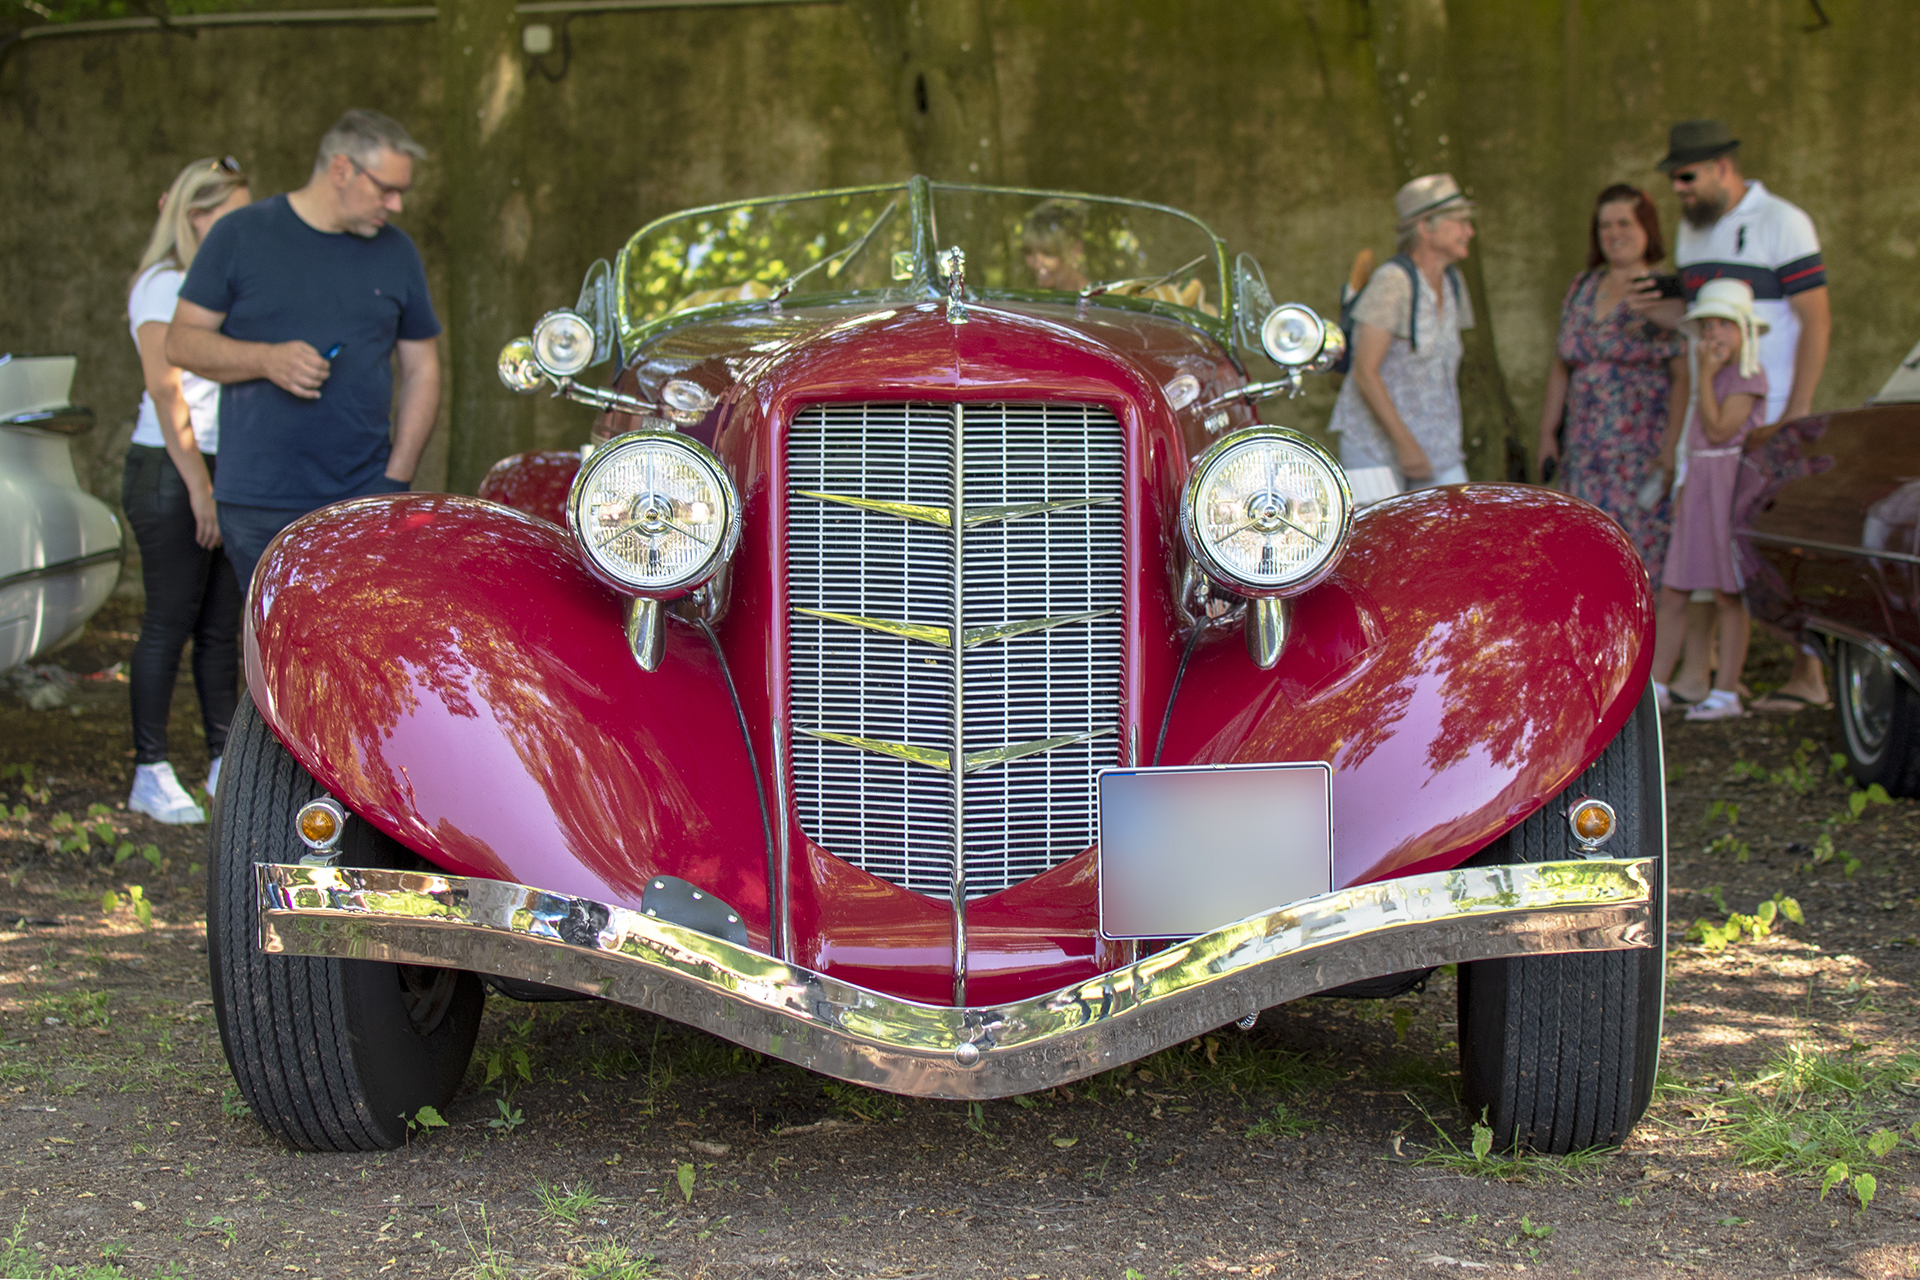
(1041, 543)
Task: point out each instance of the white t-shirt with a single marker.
(153, 297)
(1771, 245)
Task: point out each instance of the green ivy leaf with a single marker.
(428, 1118)
(1864, 1187)
(684, 1176)
(1882, 1142)
(1482, 1142)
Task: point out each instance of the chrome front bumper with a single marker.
(837, 1029)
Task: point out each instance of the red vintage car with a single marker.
(939, 677)
(1827, 528)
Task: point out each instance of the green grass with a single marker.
(20, 1261)
(565, 1203)
(1478, 1158)
(1809, 1110)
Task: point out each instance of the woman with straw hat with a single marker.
(1730, 401)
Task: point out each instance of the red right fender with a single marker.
(536, 483)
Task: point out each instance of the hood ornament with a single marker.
(954, 263)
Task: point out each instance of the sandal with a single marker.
(1781, 700)
(1718, 705)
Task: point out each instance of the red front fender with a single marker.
(1477, 649)
(446, 668)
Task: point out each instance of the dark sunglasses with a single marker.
(228, 164)
(1687, 177)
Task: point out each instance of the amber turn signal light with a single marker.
(320, 823)
(1593, 822)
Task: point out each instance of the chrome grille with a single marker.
(851, 680)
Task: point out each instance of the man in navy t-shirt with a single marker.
(298, 309)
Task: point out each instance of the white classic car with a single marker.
(59, 545)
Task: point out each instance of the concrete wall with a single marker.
(1285, 125)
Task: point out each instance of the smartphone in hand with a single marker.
(1668, 286)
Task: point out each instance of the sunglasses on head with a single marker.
(226, 164)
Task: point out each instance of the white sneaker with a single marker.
(213, 778)
(1718, 705)
(159, 795)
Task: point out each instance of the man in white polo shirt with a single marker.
(1733, 226)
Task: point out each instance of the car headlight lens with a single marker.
(1292, 335)
(518, 369)
(563, 343)
(1266, 512)
(655, 513)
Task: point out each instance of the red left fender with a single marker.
(447, 669)
(1478, 647)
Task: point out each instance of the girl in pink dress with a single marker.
(1730, 402)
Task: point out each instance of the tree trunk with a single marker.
(489, 226)
(938, 55)
(1412, 53)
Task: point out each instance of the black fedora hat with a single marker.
(1692, 141)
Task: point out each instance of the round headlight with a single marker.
(655, 513)
(1266, 512)
(518, 369)
(1292, 335)
(1330, 352)
(563, 343)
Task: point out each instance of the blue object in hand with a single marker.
(333, 351)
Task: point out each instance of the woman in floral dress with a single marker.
(1620, 380)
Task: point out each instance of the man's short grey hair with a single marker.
(361, 135)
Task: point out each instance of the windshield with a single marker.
(874, 240)
(841, 242)
(1034, 242)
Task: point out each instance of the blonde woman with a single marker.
(168, 497)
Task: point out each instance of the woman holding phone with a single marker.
(1619, 379)
(168, 497)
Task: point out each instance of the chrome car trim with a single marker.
(933, 757)
(823, 1024)
(974, 761)
(1872, 644)
(110, 555)
(1269, 619)
(957, 883)
(1838, 548)
(783, 837)
(646, 628)
(942, 637)
(996, 515)
(926, 633)
(68, 420)
(905, 510)
(1008, 630)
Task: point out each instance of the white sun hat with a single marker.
(1728, 299)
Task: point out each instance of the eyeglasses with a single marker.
(385, 188)
(225, 164)
(1687, 177)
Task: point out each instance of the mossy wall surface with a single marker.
(1287, 126)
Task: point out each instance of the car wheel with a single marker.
(332, 1055)
(1879, 720)
(1558, 1052)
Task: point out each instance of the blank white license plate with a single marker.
(1186, 850)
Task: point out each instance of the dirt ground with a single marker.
(595, 1142)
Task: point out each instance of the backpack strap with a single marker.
(1405, 263)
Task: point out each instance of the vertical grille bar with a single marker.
(904, 821)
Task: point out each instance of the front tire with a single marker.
(332, 1055)
(1879, 717)
(1558, 1052)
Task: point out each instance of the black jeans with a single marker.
(190, 595)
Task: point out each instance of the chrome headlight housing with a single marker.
(655, 514)
(1292, 335)
(1266, 512)
(563, 343)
